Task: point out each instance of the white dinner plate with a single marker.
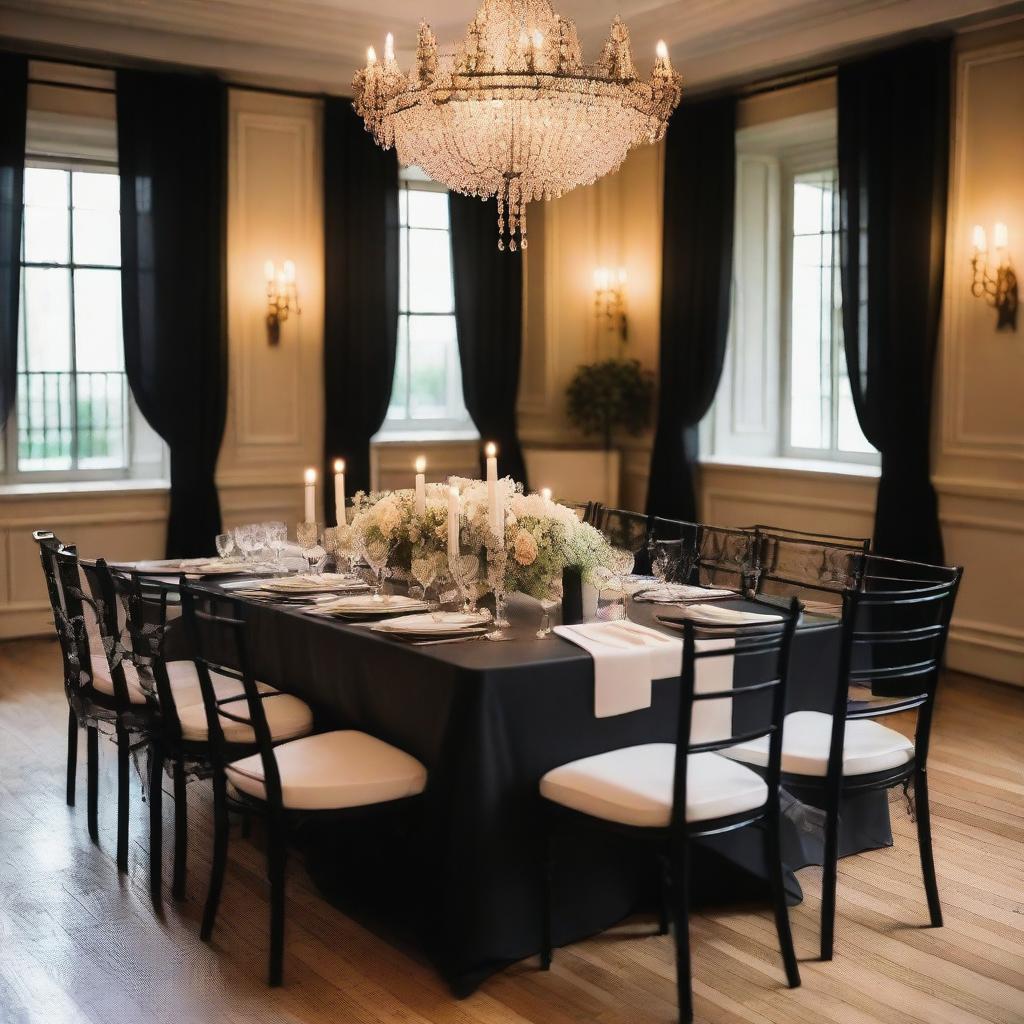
(426, 624)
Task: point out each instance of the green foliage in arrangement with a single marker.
(611, 394)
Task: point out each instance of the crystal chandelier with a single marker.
(513, 111)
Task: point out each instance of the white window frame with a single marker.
(53, 136)
(750, 417)
(450, 428)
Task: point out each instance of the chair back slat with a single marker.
(218, 631)
(818, 567)
(767, 679)
(895, 627)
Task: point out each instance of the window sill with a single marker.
(77, 488)
(447, 435)
(816, 467)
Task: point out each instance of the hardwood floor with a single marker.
(78, 942)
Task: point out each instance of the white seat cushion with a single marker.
(807, 735)
(287, 716)
(633, 786)
(333, 770)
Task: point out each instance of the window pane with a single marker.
(46, 234)
(430, 272)
(807, 371)
(44, 421)
(98, 340)
(403, 270)
(427, 209)
(403, 206)
(851, 437)
(92, 191)
(47, 295)
(430, 345)
(101, 414)
(97, 237)
(45, 186)
(399, 407)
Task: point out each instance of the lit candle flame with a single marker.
(339, 465)
(661, 50)
(421, 464)
(490, 450)
(545, 493)
(311, 475)
(371, 56)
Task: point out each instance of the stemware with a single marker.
(424, 570)
(465, 571)
(549, 600)
(276, 534)
(376, 551)
(664, 560)
(225, 545)
(497, 562)
(246, 540)
(308, 535)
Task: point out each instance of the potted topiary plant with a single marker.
(603, 399)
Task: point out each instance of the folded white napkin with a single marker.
(671, 593)
(719, 616)
(627, 657)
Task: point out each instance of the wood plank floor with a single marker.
(79, 943)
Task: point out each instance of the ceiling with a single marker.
(318, 44)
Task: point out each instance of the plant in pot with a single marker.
(606, 397)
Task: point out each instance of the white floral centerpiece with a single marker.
(542, 538)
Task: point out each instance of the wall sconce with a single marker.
(610, 299)
(998, 290)
(282, 297)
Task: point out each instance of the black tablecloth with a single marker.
(488, 720)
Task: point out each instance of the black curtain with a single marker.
(893, 113)
(700, 174)
(360, 293)
(489, 321)
(172, 151)
(14, 90)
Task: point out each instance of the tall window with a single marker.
(822, 419)
(427, 391)
(72, 414)
(784, 390)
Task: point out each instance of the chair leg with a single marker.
(664, 914)
(180, 831)
(277, 854)
(93, 781)
(220, 855)
(546, 872)
(828, 879)
(72, 755)
(679, 899)
(924, 841)
(123, 798)
(773, 849)
(156, 825)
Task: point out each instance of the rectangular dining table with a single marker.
(488, 719)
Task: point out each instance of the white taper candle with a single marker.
(421, 486)
(310, 495)
(339, 491)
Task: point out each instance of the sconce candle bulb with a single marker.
(610, 300)
(997, 284)
(282, 297)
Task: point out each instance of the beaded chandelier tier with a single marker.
(513, 111)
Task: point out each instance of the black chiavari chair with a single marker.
(670, 794)
(895, 625)
(342, 772)
(97, 685)
(816, 568)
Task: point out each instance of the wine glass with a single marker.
(549, 599)
(376, 550)
(307, 535)
(497, 562)
(225, 545)
(664, 560)
(465, 570)
(276, 534)
(424, 572)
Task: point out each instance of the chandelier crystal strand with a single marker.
(513, 112)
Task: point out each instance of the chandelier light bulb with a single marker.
(371, 56)
(389, 47)
(538, 39)
(661, 50)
